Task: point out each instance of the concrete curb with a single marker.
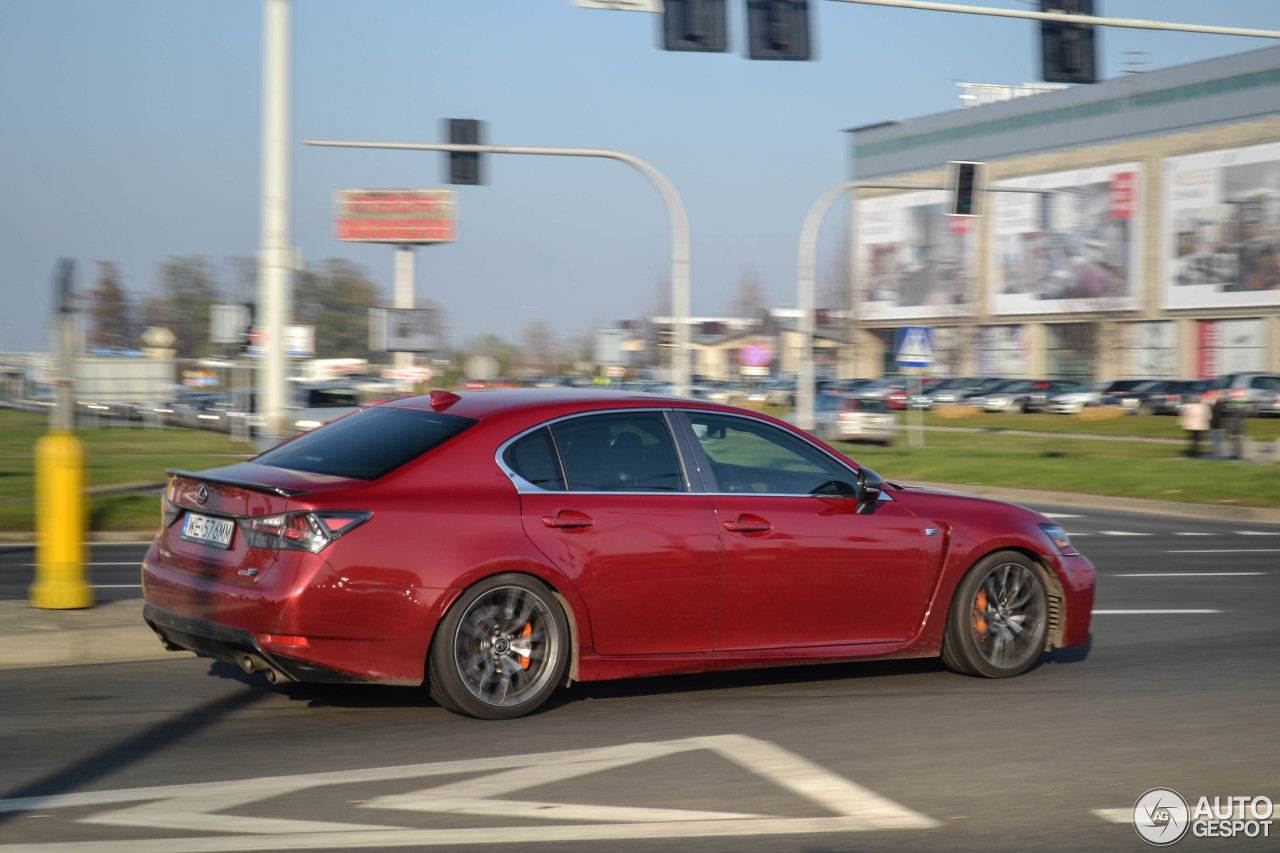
(107, 633)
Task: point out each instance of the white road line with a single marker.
(116, 586)
(1123, 533)
(208, 807)
(1152, 612)
(1188, 574)
(1230, 551)
(1258, 532)
(1061, 515)
(1193, 533)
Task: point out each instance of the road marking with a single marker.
(1151, 612)
(1193, 533)
(1258, 532)
(117, 586)
(1230, 551)
(1188, 574)
(206, 806)
(1123, 533)
(1061, 515)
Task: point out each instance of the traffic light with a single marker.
(697, 25)
(966, 180)
(778, 29)
(1067, 50)
(464, 166)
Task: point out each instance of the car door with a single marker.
(802, 566)
(606, 498)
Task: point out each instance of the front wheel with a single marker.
(998, 619)
(501, 649)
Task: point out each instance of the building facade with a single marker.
(1151, 249)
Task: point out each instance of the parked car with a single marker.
(848, 417)
(1115, 391)
(316, 405)
(1178, 393)
(951, 390)
(495, 545)
(1022, 395)
(1143, 397)
(1071, 402)
(1255, 390)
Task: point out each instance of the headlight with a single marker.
(1060, 539)
(300, 531)
(306, 425)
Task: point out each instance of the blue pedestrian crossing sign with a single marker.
(915, 346)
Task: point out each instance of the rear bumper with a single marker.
(236, 646)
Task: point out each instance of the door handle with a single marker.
(568, 519)
(747, 523)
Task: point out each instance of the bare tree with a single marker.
(750, 301)
(539, 347)
(108, 309)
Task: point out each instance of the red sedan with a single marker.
(498, 544)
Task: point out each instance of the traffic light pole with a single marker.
(675, 209)
(805, 276)
(1093, 20)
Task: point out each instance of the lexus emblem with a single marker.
(202, 494)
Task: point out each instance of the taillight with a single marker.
(169, 511)
(301, 531)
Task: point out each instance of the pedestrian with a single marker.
(1218, 427)
(1194, 418)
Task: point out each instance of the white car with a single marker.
(1073, 402)
(848, 417)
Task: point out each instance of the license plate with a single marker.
(210, 531)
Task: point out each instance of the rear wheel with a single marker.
(998, 619)
(501, 649)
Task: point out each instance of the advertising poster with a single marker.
(1072, 249)
(1151, 350)
(1004, 351)
(1230, 346)
(914, 261)
(1222, 244)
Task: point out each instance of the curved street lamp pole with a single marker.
(680, 300)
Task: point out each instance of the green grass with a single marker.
(1119, 468)
(112, 456)
(989, 456)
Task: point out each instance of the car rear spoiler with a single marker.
(244, 484)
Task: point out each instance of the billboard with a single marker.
(395, 216)
(1072, 249)
(913, 260)
(1222, 237)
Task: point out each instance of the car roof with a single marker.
(547, 402)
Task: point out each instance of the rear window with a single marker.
(368, 444)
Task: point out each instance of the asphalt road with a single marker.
(1178, 689)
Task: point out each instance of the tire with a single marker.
(986, 640)
(501, 650)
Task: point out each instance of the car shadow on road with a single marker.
(330, 695)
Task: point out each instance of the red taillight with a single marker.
(300, 531)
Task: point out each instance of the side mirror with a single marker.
(870, 485)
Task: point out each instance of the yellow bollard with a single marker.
(60, 582)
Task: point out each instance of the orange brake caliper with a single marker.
(524, 659)
(979, 615)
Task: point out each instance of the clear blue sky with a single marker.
(130, 131)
